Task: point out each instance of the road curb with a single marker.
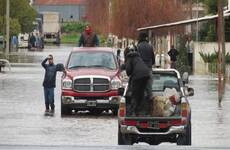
(25, 65)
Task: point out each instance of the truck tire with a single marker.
(124, 139)
(65, 110)
(186, 138)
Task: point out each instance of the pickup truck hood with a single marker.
(91, 71)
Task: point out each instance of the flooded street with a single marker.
(22, 120)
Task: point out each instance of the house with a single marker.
(69, 10)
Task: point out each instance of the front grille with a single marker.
(82, 81)
(82, 87)
(92, 98)
(100, 81)
(91, 84)
(100, 87)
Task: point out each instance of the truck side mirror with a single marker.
(121, 91)
(60, 67)
(185, 77)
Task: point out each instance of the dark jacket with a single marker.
(135, 67)
(173, 54)
(50, 74)
(90, 40)
(146, 52)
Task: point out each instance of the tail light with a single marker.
(121, 112)
(184, 111)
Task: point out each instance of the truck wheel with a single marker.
(65, 110)
(123, 139)
(186, 138)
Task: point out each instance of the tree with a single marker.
(19, 10)
(97, 13)
(128, 15)
(15, 26)
(208, 31)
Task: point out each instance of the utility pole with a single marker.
(7, 28)
(221, 50)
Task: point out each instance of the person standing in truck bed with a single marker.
(138, 73)
(147, 54)
(88, 38)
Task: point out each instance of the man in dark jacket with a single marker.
(138, 74)
(147, 54)
(49, 82)
(88, 38)
(173, 54)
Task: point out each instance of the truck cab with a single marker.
(153, 130)
(90, 81)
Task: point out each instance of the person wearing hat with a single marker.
(88, 38)
(146, 52)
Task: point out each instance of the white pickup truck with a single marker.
(155, 130)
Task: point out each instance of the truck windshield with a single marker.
(162, 81)
(92, 59)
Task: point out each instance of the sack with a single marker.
(172, 95)
(169, 108)
(162, 107)
(158, 104)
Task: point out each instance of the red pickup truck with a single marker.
(91, 80)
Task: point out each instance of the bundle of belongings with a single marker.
(164, 106)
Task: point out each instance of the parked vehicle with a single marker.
(154, 130)
(51, 27)
(91, 79)
(23, 40)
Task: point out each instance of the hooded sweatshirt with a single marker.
(135, 66)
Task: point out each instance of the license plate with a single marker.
(91, 103)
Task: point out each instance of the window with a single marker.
(162, 81)
(92, 59)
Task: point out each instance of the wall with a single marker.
(205, 47)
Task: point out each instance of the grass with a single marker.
(70, 38)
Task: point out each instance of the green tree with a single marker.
(182, 59)
(208, 31)
(15, 26)
(22, 11)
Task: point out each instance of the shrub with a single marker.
(73, 27)
(212, 58)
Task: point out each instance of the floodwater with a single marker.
(22, 120)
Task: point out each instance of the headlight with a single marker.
(116, 83)
(67, 84)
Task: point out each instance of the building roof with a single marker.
(58, 2)
(183, 22)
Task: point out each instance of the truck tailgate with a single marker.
(153, 118)
(153, 122)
